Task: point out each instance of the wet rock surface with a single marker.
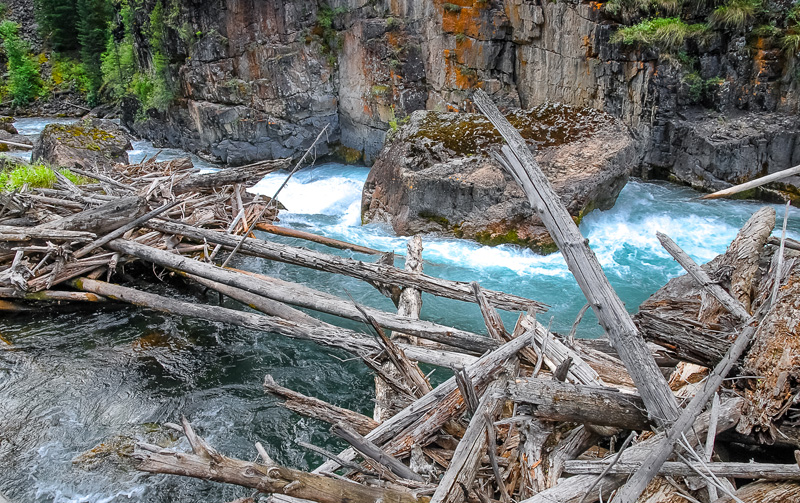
(436, 173)
(91, 144)
(711, 152)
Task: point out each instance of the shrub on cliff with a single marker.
(24, 83)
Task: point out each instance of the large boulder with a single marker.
(436, 174)
(92, 144)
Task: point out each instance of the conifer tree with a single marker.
(57, 23)
(93, 34)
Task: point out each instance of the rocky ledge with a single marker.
(90, 144)
(436, 173)
(711, 151)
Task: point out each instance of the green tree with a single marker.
(57, 22)
(119, 60)
(24, 83)
(94, 17)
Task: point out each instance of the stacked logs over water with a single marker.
(50, 236)
(528, 415)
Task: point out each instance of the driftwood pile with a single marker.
(527, 416)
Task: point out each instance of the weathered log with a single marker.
(639, 481)
(766, 492)
(12, 233)
(558, 401)
(350, 341)
(741, 258)
(426, 413)
(102, 219)
(229, 176)
(207, 464)
(753, 183)
(51, 295)
(339, 265)
(372, 452)
(791, 244)
(318, 409)
(460, 475)
(733, 306)
(573, 489)
(583, 264)
(409, 305)
(257, 302)
(766, 471)
(316, 238)
(774, 356)
(23, 146)
(298, 295)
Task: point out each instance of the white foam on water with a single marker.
(315, 192)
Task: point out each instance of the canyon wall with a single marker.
(259, 78)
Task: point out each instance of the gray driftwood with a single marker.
(366, 271)
(583, 264)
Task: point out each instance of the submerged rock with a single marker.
(436, 174)
(90, 144)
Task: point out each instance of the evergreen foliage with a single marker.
(57, 22)
(24, 83)
(93, 34)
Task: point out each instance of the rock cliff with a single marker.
(258, 78)
(436, 174)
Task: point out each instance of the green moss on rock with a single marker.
(546, 125)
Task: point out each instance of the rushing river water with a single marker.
(77, 387)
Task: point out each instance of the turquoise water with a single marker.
(71, 381)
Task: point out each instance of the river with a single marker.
(93, 380)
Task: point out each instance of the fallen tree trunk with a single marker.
(583, 264)
(753, 183)
(352, 342)
(298, 295)
(366, 271)
(460, 475)
(766, 492)
(559, 401)
(102, 219)
(229, 176)
(207, 464)
(315, 238)
(574, 489)
(766, 471)
(318, 409)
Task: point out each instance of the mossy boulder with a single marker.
(7, 124)
(93, 144)
(436, 174)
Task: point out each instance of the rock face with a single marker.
(711, 152)
(436, 174)
(91, 144)
(259, 78)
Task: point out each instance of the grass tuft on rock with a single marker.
(665, 33)
(38, 176)
(735, 14)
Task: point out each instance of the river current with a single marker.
(76, 388)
